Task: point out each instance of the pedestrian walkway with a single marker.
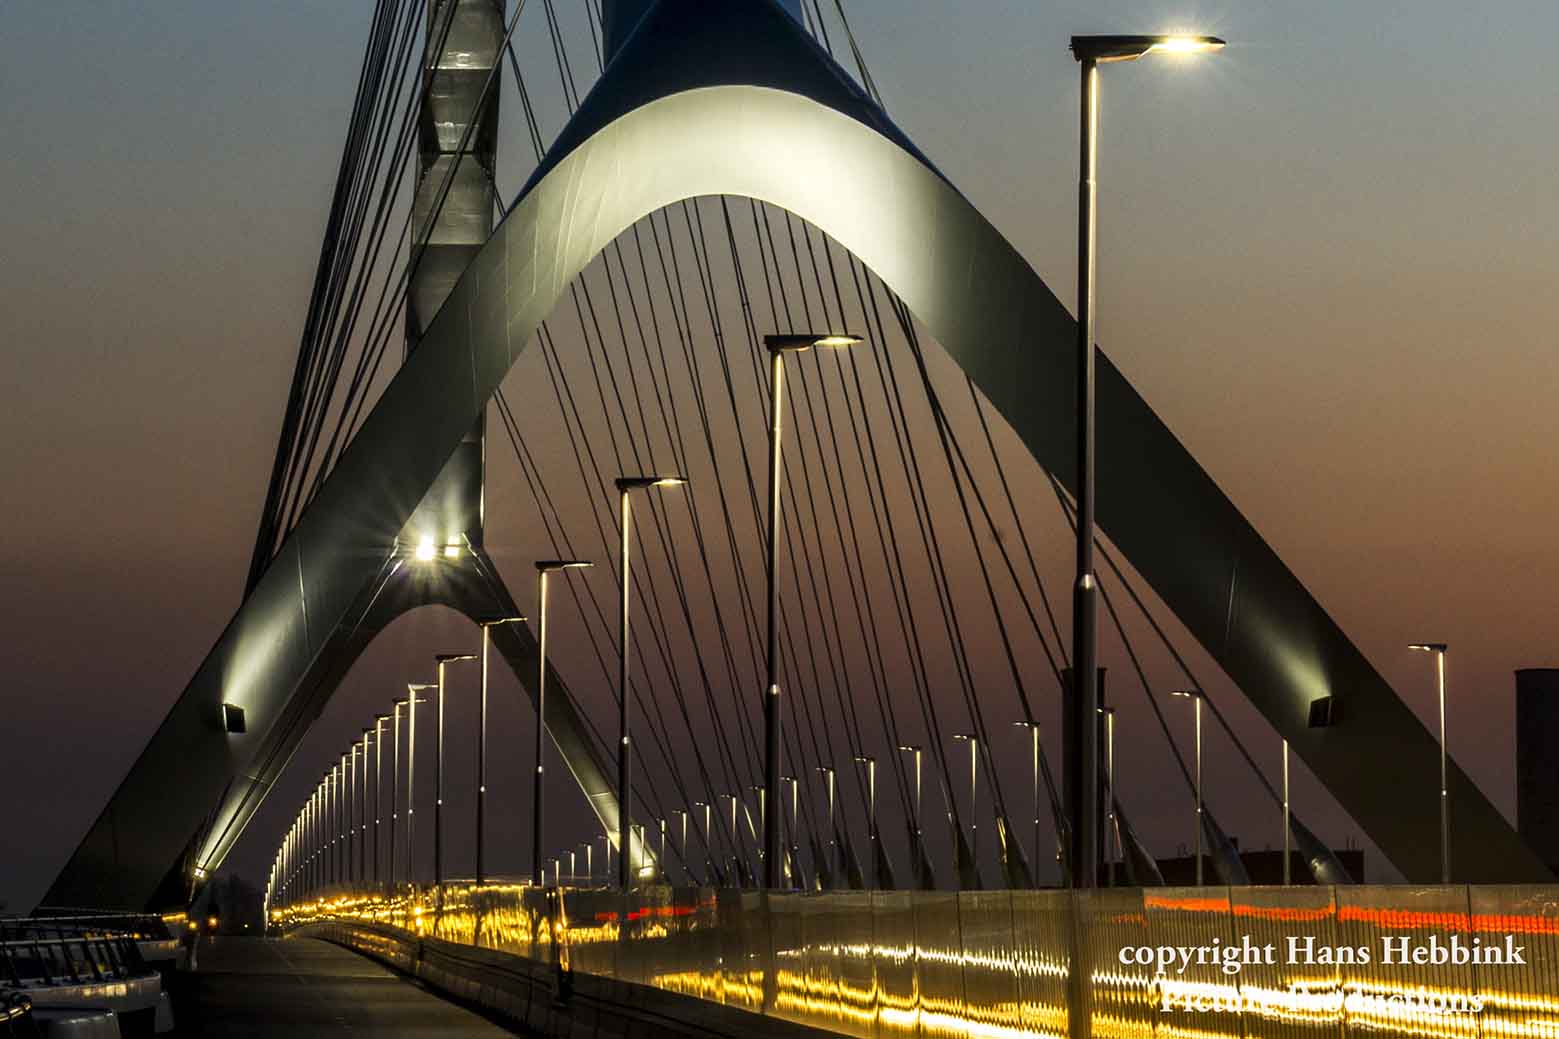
(302, 988)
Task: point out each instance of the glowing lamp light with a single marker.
(451, 551)
(425, 549)
(1189, 45)
(1130, 48)
(792, 342)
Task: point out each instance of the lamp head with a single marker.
(451, 658)
(965, 737)
(547, 566)
(633, 483)
(910, 748)
(493, 622)
(1130, 48)
(796, 342)
(1428, 647)
(1189, 694)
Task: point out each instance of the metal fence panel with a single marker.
(1041, 954)
(1196, 995)
(1118, 1000)
(990, 981)
(1299, 995)
(1519, 1001)
(1386, 997)
(939, 967)
(893, 941)
(853, 930)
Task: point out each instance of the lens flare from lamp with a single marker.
(425, 549)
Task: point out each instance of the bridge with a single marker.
(730, 237)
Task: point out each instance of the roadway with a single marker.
(302, 988)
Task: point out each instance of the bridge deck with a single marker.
(303, 988)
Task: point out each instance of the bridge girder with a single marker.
(711, 98)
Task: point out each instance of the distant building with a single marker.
(1537, 761)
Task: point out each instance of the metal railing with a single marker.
(36, 953)
(16, 1020)
(877, 964)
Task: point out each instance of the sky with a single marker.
(1326, 258)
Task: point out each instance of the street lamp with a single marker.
(344, 817)
(625, 484)
(871, 800)
(362, 798)
(1286, 853)
(1090, 51)
(833, 849)
(974, 761)
(411, 775)
(1438, 649)
(686, 868)
(379, 720)
(1111, 832)
(589, 847)
(481, 748)
(915, 749)
(1033, 728)
(442, 660)
(544, 569)
(778, 346)
(709, 851)
(792, 876)
(1196, 697)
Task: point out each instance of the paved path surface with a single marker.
(303, 988)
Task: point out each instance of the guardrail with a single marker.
(16, 1018)
(1252, 963)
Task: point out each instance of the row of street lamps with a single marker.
(330, 790)
(334, 832)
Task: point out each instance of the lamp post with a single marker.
(1111, 845)
(344, 818)
(544, 569)
(442, 660)
(1033, 730)
(660, 859)
(1286, 853)
(481, 748)
(625, 485)
(683, 815)
(974, 772)
(915, 749)
(589, 847)
(871, 802)
(709, 852)
(736, 851)
(791, 850)
(778, 346)
(1083, 761)
(395, 786)
(833, 850)
(411, 776)
(1195, 696)
(1438, 649)
(362, 799)
(353, 858)
(379, 720)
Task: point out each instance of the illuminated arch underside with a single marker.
(663, 126)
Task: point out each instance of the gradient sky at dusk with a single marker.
(1328, 260)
